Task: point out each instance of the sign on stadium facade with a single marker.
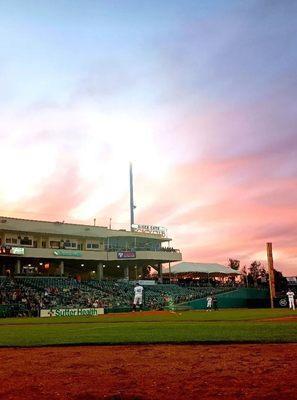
(156, 230)
(126, 254)
(20, 251)
(68, 253)
(144, 282)
(7, 250)
(71, 312)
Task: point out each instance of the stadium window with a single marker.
(70, 245)
(25, 241)
(54, 244)
(11, 240)
(92, 246)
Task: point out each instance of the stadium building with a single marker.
(30, 247)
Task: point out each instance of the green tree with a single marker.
(234, 264)
(258, 274)
(281, 283)
(244, 270)
(244, 274)
(255, 270)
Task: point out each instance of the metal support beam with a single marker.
(161, 272)
(99, 272)
(126, 270)
(18, 267)
(61, 268)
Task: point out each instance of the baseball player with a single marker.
(209, 303)
(138, 293)
(169, 303)
(291, 295)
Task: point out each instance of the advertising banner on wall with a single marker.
(144, 282)
(71, 312)
(68, 253)
(19, 251)
(8, 250)
(126, 254)
(152, 229)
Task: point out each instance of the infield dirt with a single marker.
(166, 372)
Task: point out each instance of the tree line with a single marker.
(255, 275)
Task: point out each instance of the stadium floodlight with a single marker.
(132, 205)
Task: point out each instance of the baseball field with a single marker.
(227, 354)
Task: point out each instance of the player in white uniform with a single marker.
(291, 295)
(209, 303)
(138, 293)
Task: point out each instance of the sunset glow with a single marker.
(199, 95)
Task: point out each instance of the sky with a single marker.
(199, 95)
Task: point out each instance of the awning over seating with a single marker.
(203, 269)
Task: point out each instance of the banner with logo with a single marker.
(144, 282)
(68, 253)
(152, 229)
(126, 254)
(19, 251)
(71, 312)
(8, 250)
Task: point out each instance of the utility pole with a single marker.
(270, 273)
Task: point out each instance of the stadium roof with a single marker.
(203, 268)
(63, 228)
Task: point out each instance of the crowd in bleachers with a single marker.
(22, 300)
(28, 295)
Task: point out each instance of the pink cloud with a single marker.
(57, 195)
(212, 214)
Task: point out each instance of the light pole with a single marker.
(132, 206)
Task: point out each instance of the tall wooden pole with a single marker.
(270, 273)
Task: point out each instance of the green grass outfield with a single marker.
(236, 325)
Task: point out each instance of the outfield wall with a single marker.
(241, 298)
